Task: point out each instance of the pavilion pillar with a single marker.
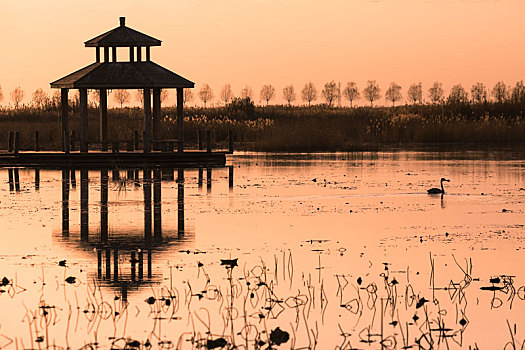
(114, 54)
(147, 120)
(131, 53)
(103, 118)
(83, 120)
(65, 122)
(180, 119)
(156, 116)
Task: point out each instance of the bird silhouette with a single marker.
(436, 190)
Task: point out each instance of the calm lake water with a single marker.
(318, 251)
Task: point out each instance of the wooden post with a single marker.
(230, 141)
(65, 202)
(230, 176)
(37, 179)
(157, 212)
(10, 141)
(37, 141)
(139, 53)
(106, 54)
(141, 265)
(83, 120)
(200, 137)
(200, 178)
(73, 141)
(17, 141)
(114, 54)
(103, 118)
(147, 120)
(65, 137)
(115, 264)
(97, 54)
(208, 179)
(108, 263)
(148, 54)
(156, 118)
(136, 139)
(146, 184)
(11, 180)
(132, 53)
(208, 140)
(84, 199)
(104, 179)
(180, 119)
(99, 263)
(64, 111)
(180, 201)
(17, 179)
(133, 262)
(149, 263)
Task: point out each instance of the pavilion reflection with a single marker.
(125, 254)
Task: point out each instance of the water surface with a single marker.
(333, 251)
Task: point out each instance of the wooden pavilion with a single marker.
(139, 72)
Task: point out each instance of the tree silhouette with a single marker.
(393, 93)
(435, 92)
(39, 98)
(518, 92)
(479, 93)
(187, 96)
(1, 95)
(226, 93)
(415, 93)
(309, 93)
(139, 96)
(164, 95)
(247, 92)
(205, 94)
(17, 95)
(372, 91)
(351, 93)
(267, 93)
(121, 96)
(457, 95)
(289, 94)
(330, 92)
(500, 92)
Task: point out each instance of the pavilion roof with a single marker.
(122, 36)
(123, 75)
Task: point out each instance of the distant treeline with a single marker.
(331, 94)
(296, 128)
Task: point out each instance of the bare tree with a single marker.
(479, 93)
(351, 93)
(139, 96)
(164, 95)
(457, 95)
(205, 94)
(121, 96)
(309, 93)
(330, 92)
(226, 93)
(500, 92)
(393, 93)
(415, 93)
(56, 99)
(436, 93)
(247, 92)
(17, 95)
(518, 92)
(289, 94)
(187, 96)
(372, 91)
(267, 93)
(39, 98)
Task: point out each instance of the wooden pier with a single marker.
(121, 159)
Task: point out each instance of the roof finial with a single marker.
(122, 21)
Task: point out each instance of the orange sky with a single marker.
(275, 42)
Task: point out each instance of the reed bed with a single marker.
(303, 129)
